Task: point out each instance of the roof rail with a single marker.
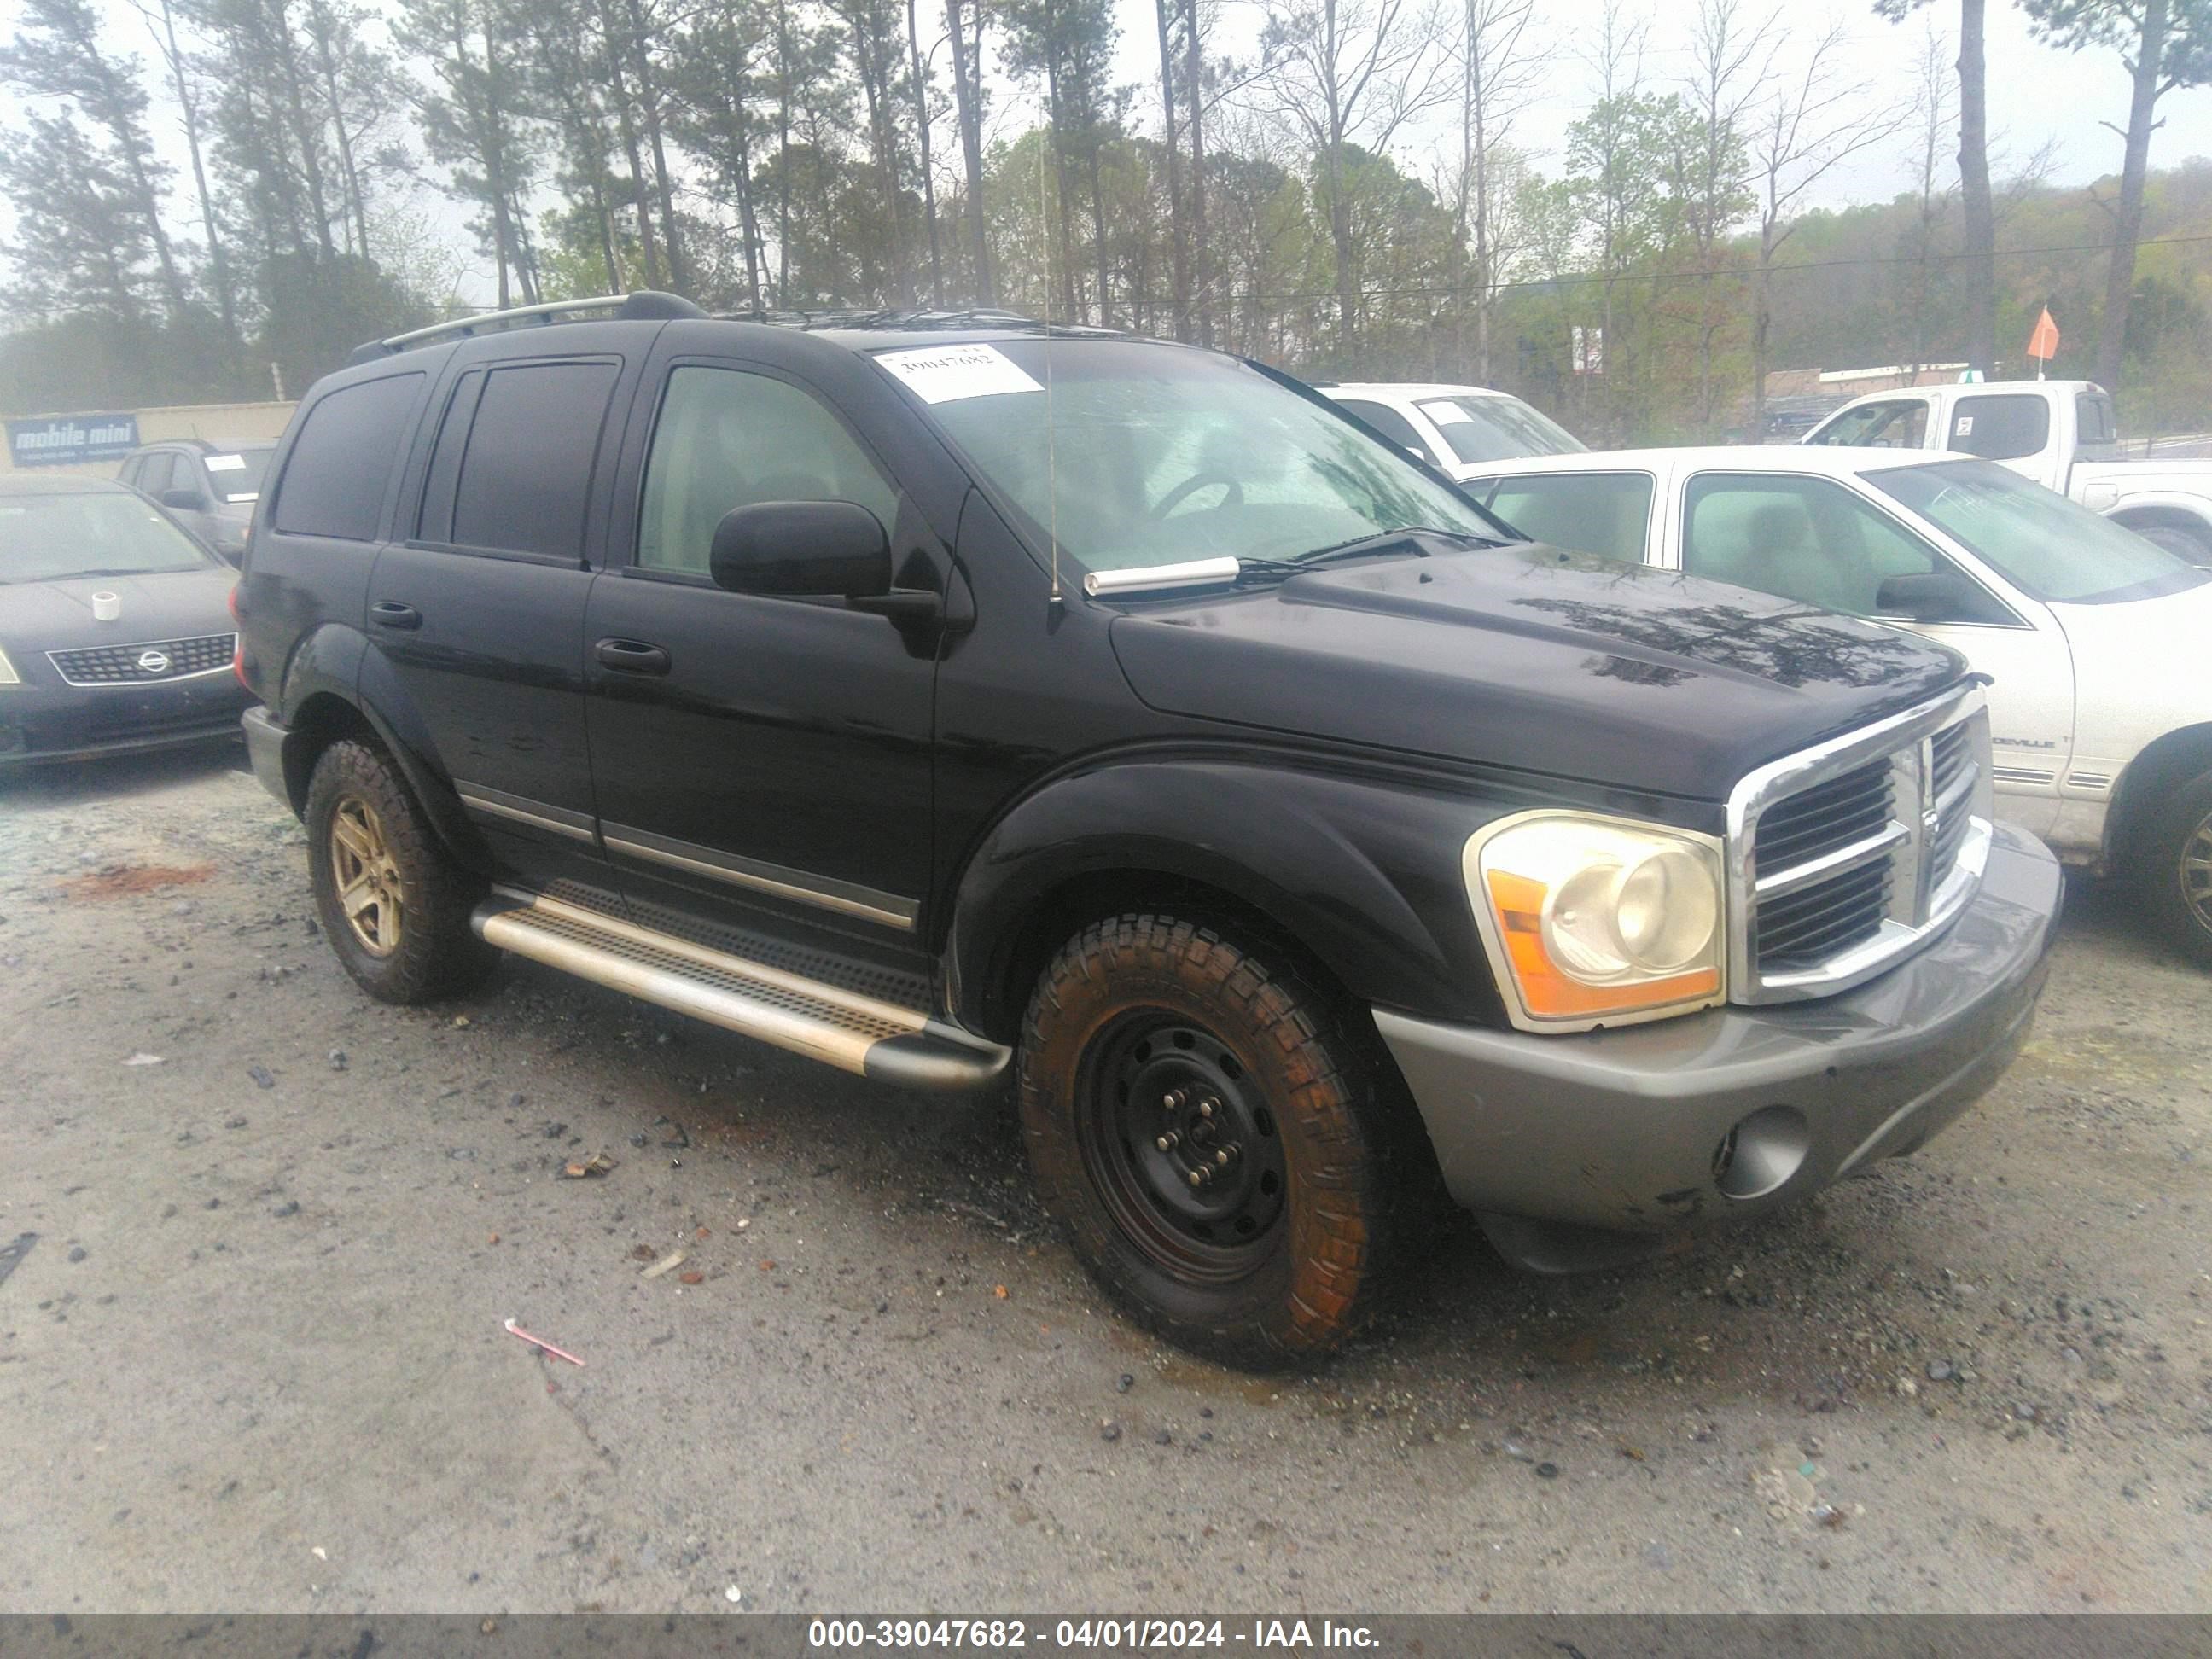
(644, 304)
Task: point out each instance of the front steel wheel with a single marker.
(1182, 1146)
(1211, 1128)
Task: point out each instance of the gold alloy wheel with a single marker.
(365, 875)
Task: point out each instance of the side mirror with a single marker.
(184, 500)
(1935, 596)
(833, 549)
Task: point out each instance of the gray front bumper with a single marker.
(1581, 1150)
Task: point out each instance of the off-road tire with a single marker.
(435, 953)
(2177, 892)
(1315, 1269)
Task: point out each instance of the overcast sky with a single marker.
(2036, 93)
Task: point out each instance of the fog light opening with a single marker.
(1761, 1152)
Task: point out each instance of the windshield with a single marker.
(50, 538)
(1154, 455)
(2041, 543)
(1497, 428)
(236, 474)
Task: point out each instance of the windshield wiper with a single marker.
(1381, 541)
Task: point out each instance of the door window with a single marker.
(1607, 514)
(729, 438)
(1901, 423)
(525, 477)
(1807, 539)
(1389, 422)
(341, 464)
(154, 473)
(2002, 428)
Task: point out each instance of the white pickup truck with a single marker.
(2059, 433)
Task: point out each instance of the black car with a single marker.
(115, 629)
(943, 698)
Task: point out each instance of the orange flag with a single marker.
(2043, 342)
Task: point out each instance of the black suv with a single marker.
(941, 696)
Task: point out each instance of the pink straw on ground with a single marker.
(539, 1341)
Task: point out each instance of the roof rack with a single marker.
(872, 317)
(647, 304)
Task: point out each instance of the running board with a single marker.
(856, 1033)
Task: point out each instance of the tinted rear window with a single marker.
(341, 463)
(2002, 427)
(526, 473)
(1389, 422)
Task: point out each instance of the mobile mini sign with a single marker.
(71, 440)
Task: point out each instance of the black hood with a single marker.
(164, 604)
(1533, 658)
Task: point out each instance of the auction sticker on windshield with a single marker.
(945, 375)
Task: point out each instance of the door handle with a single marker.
(388, 613)
(632, 657)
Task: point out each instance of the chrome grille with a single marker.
(1842, 859)
(128, 665)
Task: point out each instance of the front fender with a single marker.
(1363, 873)
(326, 662)
(383, 701)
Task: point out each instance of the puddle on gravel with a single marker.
(126, 880)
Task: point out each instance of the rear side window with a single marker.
(154, 473)
(341, 463)
(1607, 514)
(525, 474)
(2094, 427)
(1999, 428)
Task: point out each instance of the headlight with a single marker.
(1593, 921)
(7, 674)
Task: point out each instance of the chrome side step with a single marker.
(855, 1032)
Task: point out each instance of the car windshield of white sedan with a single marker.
(1498, 428)
(2043, 543)
(45, 538)
(1136, 455)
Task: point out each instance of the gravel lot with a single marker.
(255, 1359)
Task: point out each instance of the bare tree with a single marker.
(1934, 106)
(1812, 125)
(184, 83)
(1978, 205)
(1497, 76)
(1346, 73)
(1732, 54)
(1615, 182)
(968, 92)
(1179, 231)
(921, 115)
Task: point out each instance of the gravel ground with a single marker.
(255, 1358)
